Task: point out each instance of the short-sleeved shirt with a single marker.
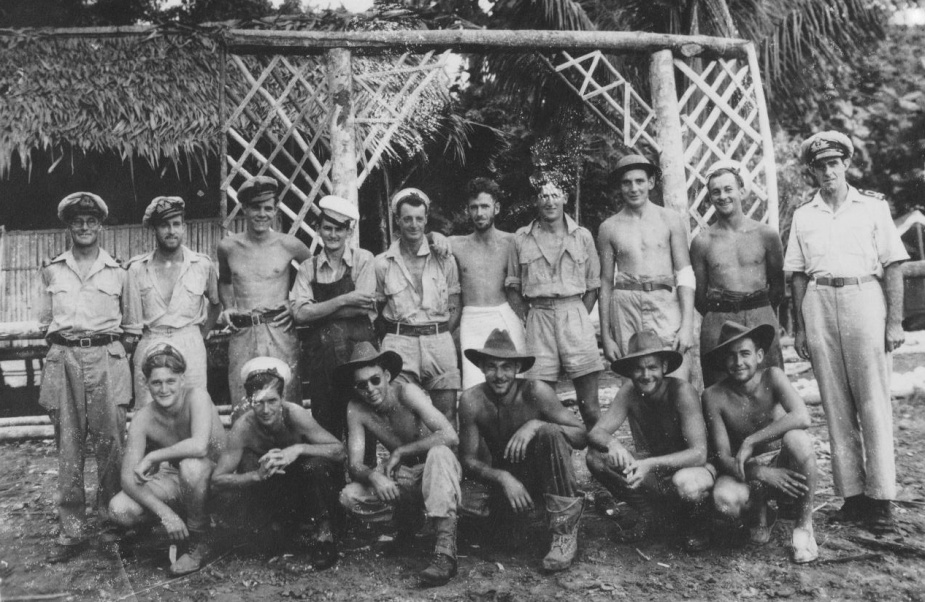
(77, 306)
(575, 271)
(858, 240)
(358, 260)
(145, 305)
(393, 285)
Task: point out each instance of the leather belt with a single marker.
(643, 286)
(840, 282)
(416, 330)
(97, 340)
(248, 320)
(734, 304)
(553, 302)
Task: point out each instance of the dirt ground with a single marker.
(245, 569)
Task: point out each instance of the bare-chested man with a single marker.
(253, 284)
(738, 263)
(669, 436)
(553, 267)
(171, 295)
(172, 448)
(481, 257)
(421, 466)
(758, 425)
(530, 436)
(646, 278)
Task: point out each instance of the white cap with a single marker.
(339, 210)
(405, 193)
(266, 365)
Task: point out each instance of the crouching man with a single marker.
(530, 436)
(421, 466)
(757, 425)
(669, 436)
(279, 463)
(171, 451)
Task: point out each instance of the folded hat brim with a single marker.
(389, 360)
(763, 335)
(650, 169)
(477, 355)
(624, 366)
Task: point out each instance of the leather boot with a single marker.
(563, 514)
(640, 502)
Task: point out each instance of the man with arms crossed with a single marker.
(279, 463)
(482, 260)
(738, 263)
(669, 437)
(758, 425)
(418, 291)
(86, 382)
(253, 284)
(172, 448)
(647, 281)
(171, 295)
(530, 436)
(553, 266)
(845, 255)
(421, 466)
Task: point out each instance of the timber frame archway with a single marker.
(337, 98)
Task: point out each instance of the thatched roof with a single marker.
(151, 92)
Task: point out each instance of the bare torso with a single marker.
(736, 260)
(640, 242)
(744, 413)
(260, 270)
(497, 422)
(656, 422)
(165, 429)
(395, 425)
(166, 274)
(482, 267)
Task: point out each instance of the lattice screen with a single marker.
(281, 110)
(719, 117)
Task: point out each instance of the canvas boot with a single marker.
(697, 526)
(443, 565)
(638, 501)
(198, 549)
(563, 514)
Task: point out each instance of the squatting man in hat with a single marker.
(253, 283)
(757, 423)
(171, 295)
(738, 263)
(86, 381)
(279, 466)
(530, 436)
(845, 255)
(421, 469)
(670, 440)
(173, 444)
(646, 278)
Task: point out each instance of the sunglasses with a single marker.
(362, 385)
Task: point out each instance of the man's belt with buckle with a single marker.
(643, 286)
(248, 320)
(416, 330)
(734, 304)
(840, 282)
(96, 340)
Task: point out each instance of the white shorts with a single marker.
(476, 324)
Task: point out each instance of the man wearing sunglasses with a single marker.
(421, 466)
(86, 382)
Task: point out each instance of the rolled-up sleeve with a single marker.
(132, 311)
(512, 280)
(593, 265)
(302, 293)
(890, 248)
(452, 276)
(43, 313)
(794, 261)
(212, 285)
(371, 278)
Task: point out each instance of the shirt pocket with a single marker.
(574, 264)
(399, 293)
(104, 292)
(534, 268)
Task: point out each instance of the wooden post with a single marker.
(343, 135)
(767, 140)
(668, 123)
(223, 147)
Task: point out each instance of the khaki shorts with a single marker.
(429, 360)
(634, 311)
(561, 336)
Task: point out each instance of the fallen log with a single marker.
(900, 549)
(47, 431)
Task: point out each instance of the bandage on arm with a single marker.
(685, 277)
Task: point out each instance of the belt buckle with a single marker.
(255, 319)
(85, 342)
(838, 282)
(648, 286)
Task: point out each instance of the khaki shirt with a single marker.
(78, 306)
(358, 260)
(858, 240)
(537, 273)
(392, 284)
(147, 308)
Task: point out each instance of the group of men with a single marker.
(383, 366)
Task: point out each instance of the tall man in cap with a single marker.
(171, 294)
(485, 305)
(648, 283)
(757, 423)
(845, 254)
(530, 436)
(418, 292)
(339, 316)
(421, 465)
(86, 382)
(253, 284)
(279, 464)
(738, 263)
(553, 266)
(670, 440)
(172, 448)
